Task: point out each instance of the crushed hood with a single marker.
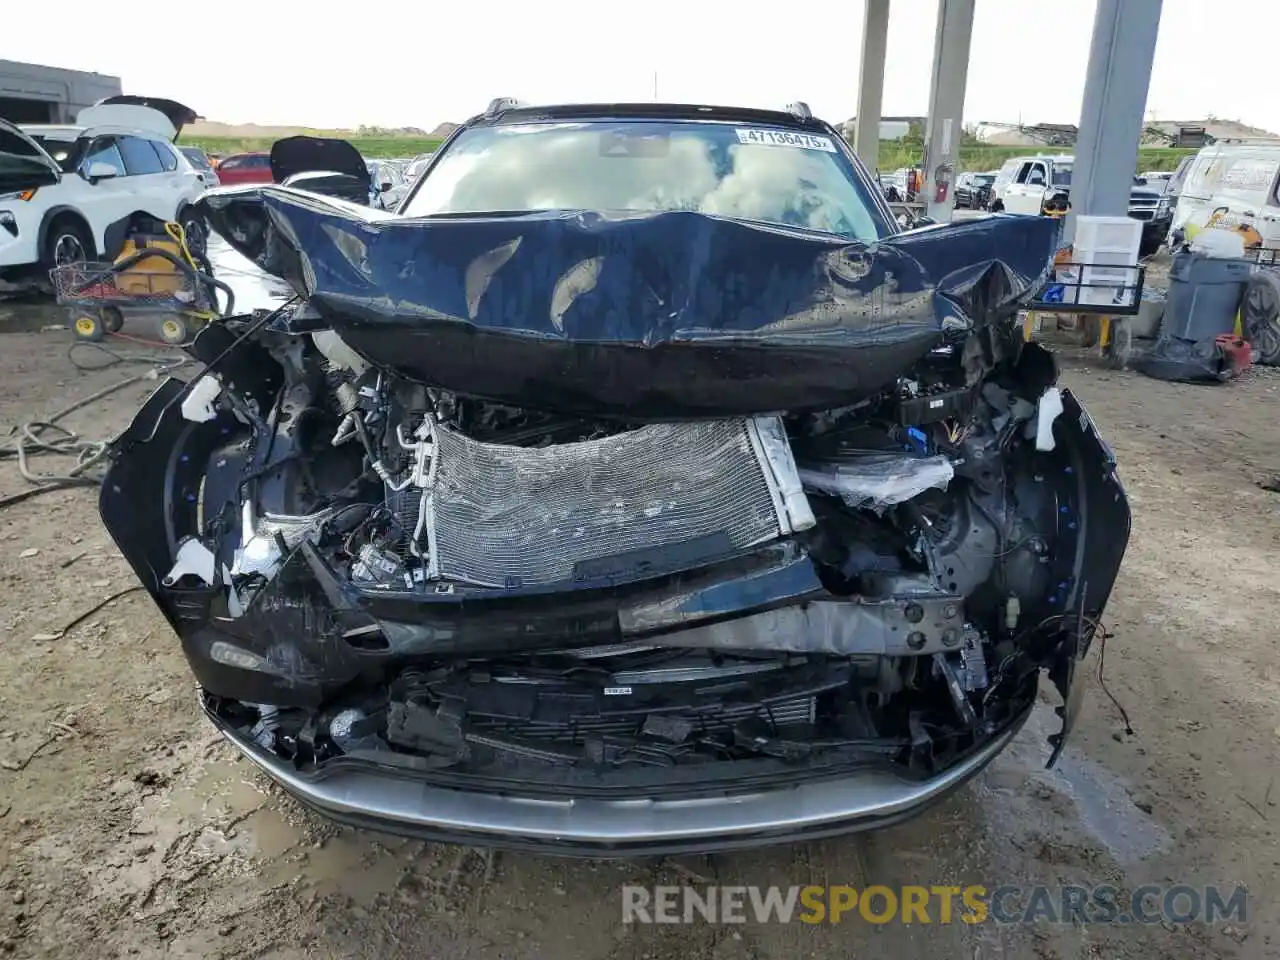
(643, 316)
(302, 154)
(24, 164)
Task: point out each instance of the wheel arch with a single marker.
(61, 212)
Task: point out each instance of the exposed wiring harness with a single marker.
(1097, 630)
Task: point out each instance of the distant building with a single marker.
(1027, 134)
(891, 128)
(30, 93)
(1165, 133)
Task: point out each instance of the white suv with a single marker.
(115, 167)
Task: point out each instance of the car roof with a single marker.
(51, 130)
(72, 132)
(645, 111)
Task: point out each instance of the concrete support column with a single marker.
(1115, 103)
(875, 43)
(944, 129)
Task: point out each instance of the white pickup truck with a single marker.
(1037, 184)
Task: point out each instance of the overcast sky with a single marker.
(334, 64)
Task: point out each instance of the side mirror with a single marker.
(99, 170)
(924, 222)
(384, 186)
(1036, 180)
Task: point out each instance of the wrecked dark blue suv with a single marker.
(637, 487)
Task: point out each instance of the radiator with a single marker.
(647, 500)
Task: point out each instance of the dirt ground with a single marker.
(127, 828)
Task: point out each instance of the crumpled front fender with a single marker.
(1098, 512)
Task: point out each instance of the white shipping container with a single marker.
(1108, 247)
(1121, 235)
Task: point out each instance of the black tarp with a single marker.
(1188, 361)
(650, 316)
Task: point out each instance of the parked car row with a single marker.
(973, 190)
(416, 166)
(245, 168)
(387, 178)
(388, 183)
(1033, 185)
(901, 186)
(119, 163)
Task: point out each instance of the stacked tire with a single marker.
(1260, 316)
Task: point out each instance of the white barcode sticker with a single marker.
(617, 691)
(785, 138)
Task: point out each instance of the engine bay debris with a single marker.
(566, 500)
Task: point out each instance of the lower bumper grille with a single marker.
(717, 719)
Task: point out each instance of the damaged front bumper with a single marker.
(772, 599)
(364, 795)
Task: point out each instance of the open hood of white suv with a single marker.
(24, 164)
(163, 118)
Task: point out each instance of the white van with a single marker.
(1233, 183)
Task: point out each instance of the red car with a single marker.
(245, 168)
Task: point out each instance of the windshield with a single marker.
(63, 151)
(983, 179)
(197, 158)
(1062, 174)
(20, 163)
(751, 173)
